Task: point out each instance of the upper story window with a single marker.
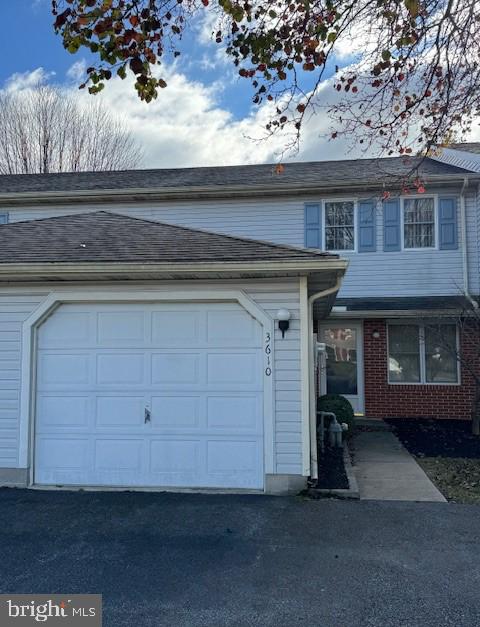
(418, 223)
(3, 218)
(419, 353)
(340, 225)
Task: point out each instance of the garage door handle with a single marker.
(148, 415)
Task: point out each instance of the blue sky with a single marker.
(31, 43)
(29, 40)
(204, 117)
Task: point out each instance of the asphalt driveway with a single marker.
(218, 560)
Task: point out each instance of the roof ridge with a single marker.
(220, 167)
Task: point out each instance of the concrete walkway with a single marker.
(386, 471)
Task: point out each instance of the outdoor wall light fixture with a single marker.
(283, 317)
(376, 334)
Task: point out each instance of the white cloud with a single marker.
(78, 71)
(187, 127)
(26, 80)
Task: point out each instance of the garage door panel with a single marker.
(120, 411)
(174, 458)
(62, 453)
(118, 455)
(177, 328)
(235, 413)
(63, 412)
(121, 368)
(58, 369)
(232, 328)
(174, 368)
(232, 458)
(176, 412)
(121, 327)
(233, 369)
(63, 327)
(198, 369)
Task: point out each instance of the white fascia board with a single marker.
(132, 269)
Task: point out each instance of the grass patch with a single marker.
(458, 479)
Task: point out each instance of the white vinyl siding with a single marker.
(17, 304)
(414, 272)
(15, 308)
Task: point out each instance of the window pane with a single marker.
(404, 353)
(440, 353)
(341, 360)
(339, 213)
(339, 238)
(339, 222)
(419, 223)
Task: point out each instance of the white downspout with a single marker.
(463, 226)
(311, 376)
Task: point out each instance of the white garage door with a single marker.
(150, 395)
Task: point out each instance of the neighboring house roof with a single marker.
(247, 176)
(473, 147)
(465, 156)
(104, 237)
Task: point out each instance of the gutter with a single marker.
(207, 192)
(311, 376)
(394, 313)
(463, 226)
(194, 268)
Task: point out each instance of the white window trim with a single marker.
(355, 226)
(435, 217)
(421, 344)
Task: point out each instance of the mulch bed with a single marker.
(331, 470)
(437, 438)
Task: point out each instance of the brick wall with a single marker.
(409, 401)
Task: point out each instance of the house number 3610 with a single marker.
(268, 352)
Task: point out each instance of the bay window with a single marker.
(420, 353)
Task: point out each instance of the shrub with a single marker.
(342, 409)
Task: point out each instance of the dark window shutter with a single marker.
(391, 225)
(313, 225)
(447, 217)
(366, 226)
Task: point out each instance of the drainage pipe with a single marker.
(311, 376)
(463, 226)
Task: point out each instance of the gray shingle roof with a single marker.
(110, 238)
(311, 173)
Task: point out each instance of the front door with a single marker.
(344, 352)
